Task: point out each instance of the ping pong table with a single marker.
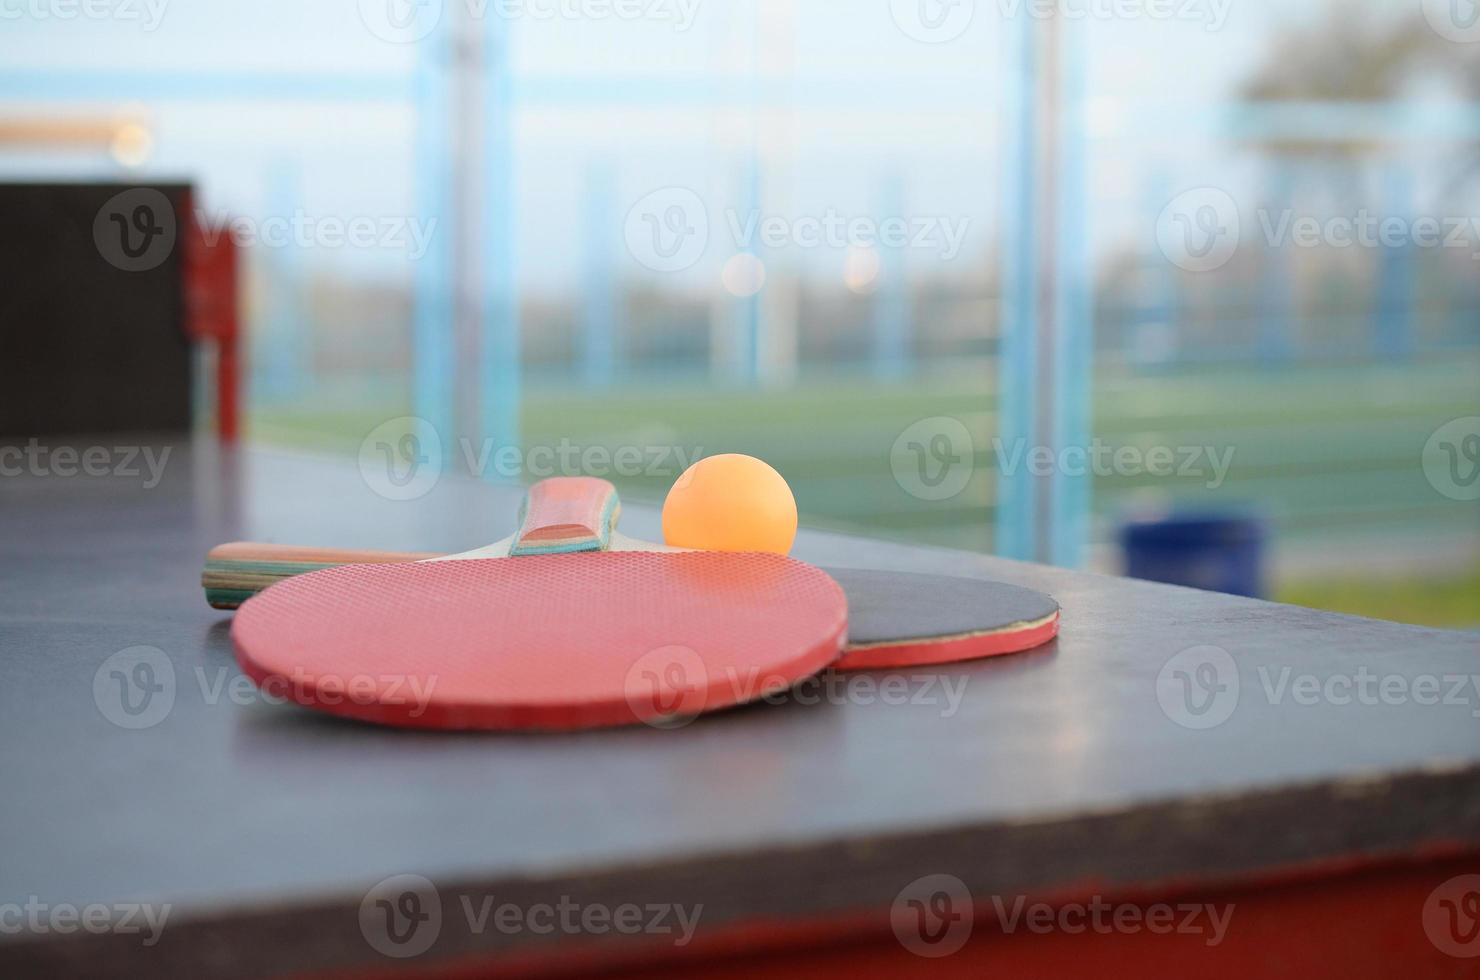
(1182, 781)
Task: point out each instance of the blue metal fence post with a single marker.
(432, 340)
(746, 329)
(599, 314)
(891, 313)
(1069, 497)
(1043, 402)
(1276, 296)
(499, 368)
(1392, 311)
(285, 352)
(1016, 525)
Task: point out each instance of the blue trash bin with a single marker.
(1216, 552)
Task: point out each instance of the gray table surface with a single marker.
(264, 824)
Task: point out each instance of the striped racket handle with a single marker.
(560, 514)
(237, 571)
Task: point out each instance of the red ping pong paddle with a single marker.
(548, 638)
(896, 619)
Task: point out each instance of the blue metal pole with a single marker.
(599, 314)
(747, 309)
(1074, 334)
(287, 354)
(433, 358)
(1276, 299)
(499, 367)
(1016, 524)
(891, 313)
(1392, 315)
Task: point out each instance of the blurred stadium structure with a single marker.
(623, 232)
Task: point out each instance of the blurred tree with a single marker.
(1354, 55)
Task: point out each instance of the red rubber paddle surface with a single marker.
(544, 641)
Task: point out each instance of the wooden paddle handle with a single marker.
(561, 514)
(237, 571)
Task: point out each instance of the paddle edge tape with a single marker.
(920, 652)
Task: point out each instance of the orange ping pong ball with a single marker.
(730, 502)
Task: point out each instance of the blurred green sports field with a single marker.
(1329, 454)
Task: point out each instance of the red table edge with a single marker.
(1353, 917)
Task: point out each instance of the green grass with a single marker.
(1321, 451)
(1450, 601)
